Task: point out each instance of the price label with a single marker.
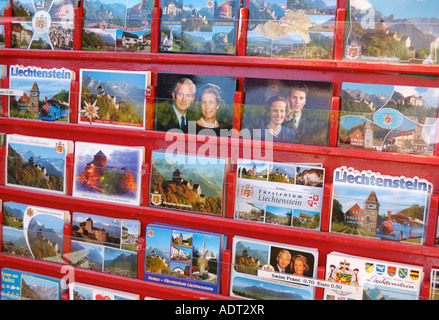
(11, 92)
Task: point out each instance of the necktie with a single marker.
(183, 125)
(294, 124)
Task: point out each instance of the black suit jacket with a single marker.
(313, 127)
(165, 118)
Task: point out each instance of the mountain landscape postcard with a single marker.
(105, 244)
(37, 163)
(113, 98)
(117, 25)
(188, 183)
(198, 26)
(402, 31)
(291, 28)
(34, 232)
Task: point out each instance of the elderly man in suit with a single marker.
(176, 113)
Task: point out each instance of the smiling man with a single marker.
(176, 113)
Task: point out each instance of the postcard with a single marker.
(187, 182)
(284, 194)
(390, 118)
(121, 25)
(105, 244)
(46, 24)
(370, 279)
(39, 93)
(113, 98)
(263, 270)
(372, 204)
(205, 102)
(37, 163)
(292, 111)
(34, 232)
(291, 29)
(183, 257)
(82, 291)
(389, 32)
(3, 6)
(195, 26)
(21, 285)
(108, 173)
(434, 284)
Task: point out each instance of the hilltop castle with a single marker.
(86, 229)
(94, 172)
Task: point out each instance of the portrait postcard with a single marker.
(195, 26)
(113, 98)
(284, 194)
(392, 31)
(105, 244)
(372, 204)
(108, 173)
(117, 25)
(292, 111)
(45, 25)
(206, 103)
(39, 93)
(34, 232)
(263, 270)
(291, 29)
(36, 163)
(187, 182)
(401, 119)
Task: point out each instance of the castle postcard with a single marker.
(183, 257)
(37, 163)
(117, 25)
(39, 93)
(113, 98)
(47, 24)
(187, 182)
(283, 194)
(392, 31)
(263, 270)
(105, 244)
(291, 28)
(372, 204)
(34, 232)
(108, 173)
(388, 118)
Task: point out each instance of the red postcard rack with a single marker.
(240, 66)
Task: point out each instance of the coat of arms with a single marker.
(156, 198)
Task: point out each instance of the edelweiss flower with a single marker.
(90, 111)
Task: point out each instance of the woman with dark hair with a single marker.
(278, 108)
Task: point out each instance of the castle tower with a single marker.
(368, 135)
(371, 208)
(100, 161)
(34, 99)
(177, 176)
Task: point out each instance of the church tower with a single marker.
(371, 207)
(34, 99)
